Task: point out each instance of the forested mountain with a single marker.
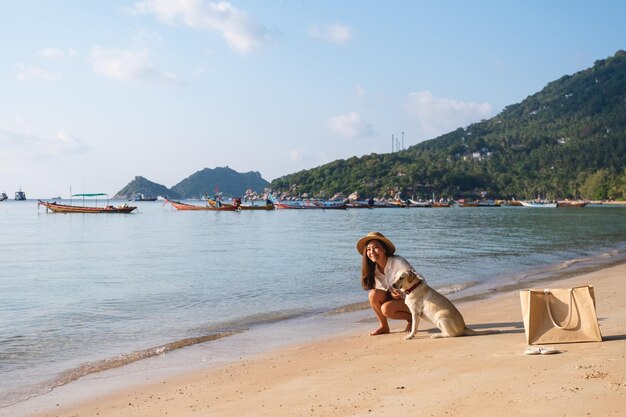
(205, 182)
(140, 185)
(224, 180)
(568, 140)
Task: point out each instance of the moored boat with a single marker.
(309, 204)
(20, 195)
(385, 204)
(479, 203)
(66, 208)
(3, 196)
(397, 203)
(237, 203)
(368, 204)
(510, 203)
(184, 206)
(569, 203)
(287, 205)
(267, 206)
(538, 204)
(489, 203)
(337, 205)
(419, 204)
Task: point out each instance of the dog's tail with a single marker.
(470, 332)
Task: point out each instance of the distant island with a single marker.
(223, 180)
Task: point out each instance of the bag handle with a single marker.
(572, 302)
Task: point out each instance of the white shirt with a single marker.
(394, 264)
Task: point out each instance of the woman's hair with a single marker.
(368, 267)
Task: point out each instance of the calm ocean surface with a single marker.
(80, 292)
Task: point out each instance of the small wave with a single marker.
(110, 363)
(612, 253)
(119, 361)
(454, 288)
(268, 317)
(570, 262)
(349, 308)
(210, 333)
(578, 265)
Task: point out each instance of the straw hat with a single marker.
(360, 245)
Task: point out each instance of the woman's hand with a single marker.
(395, 294)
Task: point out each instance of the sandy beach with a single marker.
(353, 374)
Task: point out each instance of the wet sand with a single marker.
(353, 374)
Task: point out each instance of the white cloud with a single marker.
(349, 125)
(56, 53)
(29, 72)
(65, 142)
(437, 116)
(240, 31)
(124, 64)
(19, 144)
(337, 34)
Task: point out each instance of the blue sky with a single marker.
(93, 93)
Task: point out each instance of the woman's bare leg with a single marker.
(398, 310)
(377, 299)
(387, 308)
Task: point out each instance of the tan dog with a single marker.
(425, 301)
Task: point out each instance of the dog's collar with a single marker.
(412, 288)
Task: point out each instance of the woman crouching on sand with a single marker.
(378, 272)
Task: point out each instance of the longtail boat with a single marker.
(480, 203)
(570, 203)
(385, 204)
(360, 204)
(266, 206)
(184, 206)
(311, 204)
(417, 203)
(308, 204)
(68, 208)
(398, 203)
(538, 203)
(510, 203)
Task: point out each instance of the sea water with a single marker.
(83, 293)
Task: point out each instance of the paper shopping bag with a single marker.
(563, 315)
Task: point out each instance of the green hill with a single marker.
(224, 180)
(568, 140)
(140, 185)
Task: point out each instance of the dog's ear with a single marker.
(411, 276)
(400, 275)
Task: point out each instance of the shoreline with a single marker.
(330, 375)
(163, 360)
